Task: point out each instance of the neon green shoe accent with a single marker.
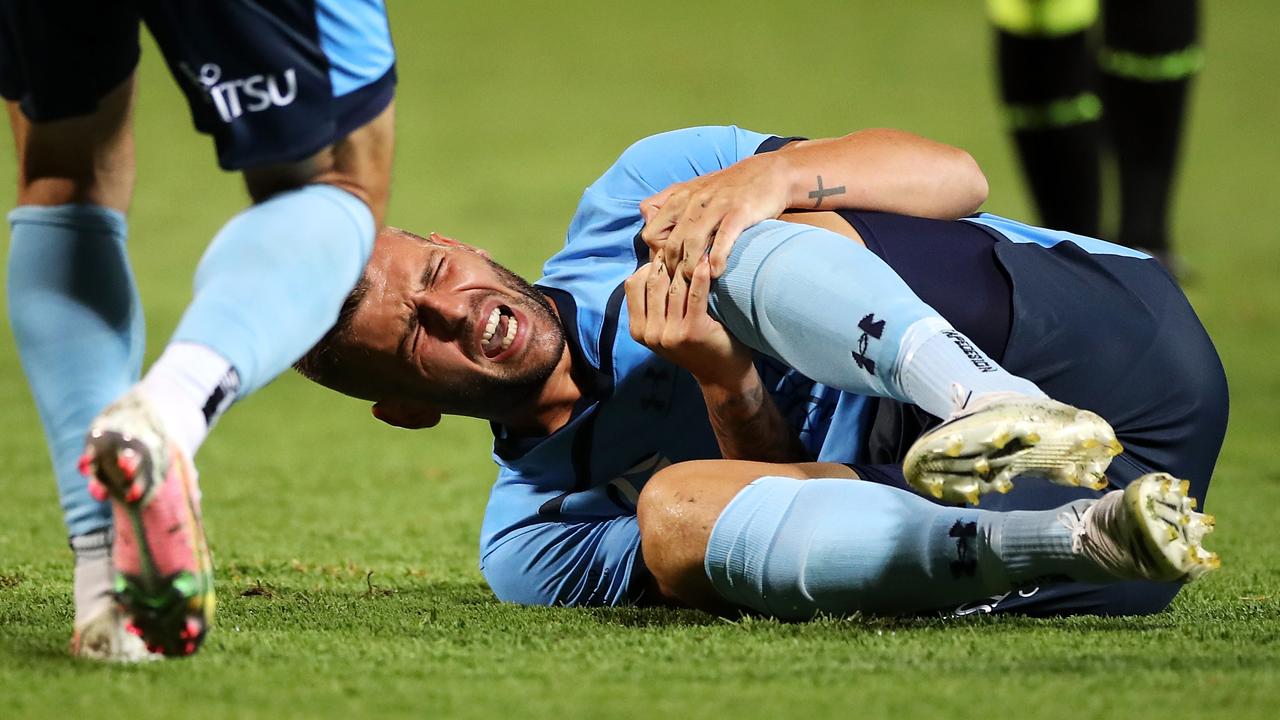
(1042, 18)
(1083, 108)
(1152, 68)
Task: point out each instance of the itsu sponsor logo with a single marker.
(236, 96)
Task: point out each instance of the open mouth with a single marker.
(499, 332)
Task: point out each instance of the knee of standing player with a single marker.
(1044, 18)
(674, 529)
(86, 159)
(359, 164)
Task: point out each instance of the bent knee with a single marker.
(664, 520)
(359, 163)
(676, 514)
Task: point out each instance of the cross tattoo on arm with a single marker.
(822, 192)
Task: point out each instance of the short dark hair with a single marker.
(322, 361)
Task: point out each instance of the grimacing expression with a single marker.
(437, 321)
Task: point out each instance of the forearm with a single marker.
(747, 424)
(881, 169)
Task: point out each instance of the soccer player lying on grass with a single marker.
(608, 374)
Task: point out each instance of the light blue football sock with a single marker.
(271, 283)
(832, 309)
(795, 548)
(78, 325)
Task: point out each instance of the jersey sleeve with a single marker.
(660, 160)
(569, 563)
(608, 216)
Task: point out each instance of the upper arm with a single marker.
(658, 161)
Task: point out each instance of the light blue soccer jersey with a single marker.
(560, 527)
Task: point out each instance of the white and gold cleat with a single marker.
(982, 448)
(1148, 531)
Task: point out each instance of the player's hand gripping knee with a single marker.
(712, 210)
(669, 316)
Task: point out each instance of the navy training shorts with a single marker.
(272, 81)
(1105, 332)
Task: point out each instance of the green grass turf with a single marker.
(507, 110)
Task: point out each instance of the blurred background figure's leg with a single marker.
(1150, 53)
(1047, 81)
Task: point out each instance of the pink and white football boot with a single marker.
(164, 573)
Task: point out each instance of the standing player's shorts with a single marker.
(272, 81)
(1094, 325)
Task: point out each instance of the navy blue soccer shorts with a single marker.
(1105, 332)
(272, 81)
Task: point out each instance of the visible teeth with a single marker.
(512, 326)
(492, 325)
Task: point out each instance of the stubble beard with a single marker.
(516, 385)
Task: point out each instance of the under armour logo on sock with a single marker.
(965, 563)
(871, 329)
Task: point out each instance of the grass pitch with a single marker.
(346, 550)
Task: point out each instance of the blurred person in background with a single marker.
(1069, 100)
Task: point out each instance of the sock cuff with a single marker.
(749, 252)
(914, 338)
(360, 214)
(93, 542)
(1032, 544)
(742, 538)
(80, 216)
(732, 297)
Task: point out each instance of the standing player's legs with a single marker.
(273, 279)
(1150, 54)
(299, 97)
(1047, 85)
(791, 541)
(77, 319)
(73, 305)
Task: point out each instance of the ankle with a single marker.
(189, 388)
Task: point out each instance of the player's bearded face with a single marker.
(508, 383)
(442, 324)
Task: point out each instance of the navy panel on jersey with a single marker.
(271, 80)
